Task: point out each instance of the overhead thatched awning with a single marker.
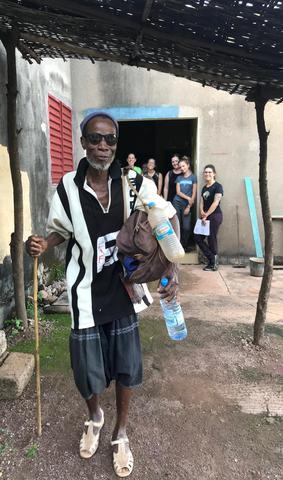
(231, 45)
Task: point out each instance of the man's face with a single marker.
(100, 155)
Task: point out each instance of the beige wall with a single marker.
(227, 134)
(6, 204)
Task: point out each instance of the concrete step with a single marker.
(15, 373)
(190, 258)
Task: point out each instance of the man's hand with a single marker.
(172, 289)
(36, 245)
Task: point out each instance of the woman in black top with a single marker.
(211, 195)
(170, 179)
(154, 175)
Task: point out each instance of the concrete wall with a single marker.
(227, 135)
(34, 84)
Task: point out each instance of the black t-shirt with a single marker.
(172, 185)
(208, 194)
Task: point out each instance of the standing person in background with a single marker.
(154, 175)
(131, 160)
(186, 189)
(209, 209)
(144, 168)
(169, 191)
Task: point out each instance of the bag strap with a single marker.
(136, 193)
(124, 201)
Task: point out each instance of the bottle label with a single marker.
(163, 230)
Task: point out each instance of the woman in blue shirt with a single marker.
(186, 189)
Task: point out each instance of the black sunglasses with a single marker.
(95, 138)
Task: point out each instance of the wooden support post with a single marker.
(17, 250)
(36, 353)
(260, 102)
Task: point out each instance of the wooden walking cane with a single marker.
(36, 333)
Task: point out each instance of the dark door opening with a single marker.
(159, 139)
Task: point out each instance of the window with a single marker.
(60, 128)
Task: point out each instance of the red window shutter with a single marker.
(61, 146)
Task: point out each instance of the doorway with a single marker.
(159, 139)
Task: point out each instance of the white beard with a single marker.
(101, 167)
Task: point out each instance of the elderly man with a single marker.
(88, 211)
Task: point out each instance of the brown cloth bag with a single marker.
(136, 240)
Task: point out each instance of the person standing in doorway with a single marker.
(209, 209)
(154, 175)
(169, 191)
(186, 190)
(131, 160)
(88, 210)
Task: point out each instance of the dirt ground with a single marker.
(211, 406)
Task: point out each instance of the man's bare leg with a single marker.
(122, 456)
(90, 439)
(123, 397)
(94, 408)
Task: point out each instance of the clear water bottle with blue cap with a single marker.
(164, 233)
(173, 316)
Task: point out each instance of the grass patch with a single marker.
(153, 334)
(271, 329)
(54, 348)
(254, 375)
(32, 451)
(3, 447)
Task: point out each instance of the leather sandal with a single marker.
(123, 461)
(90, 440)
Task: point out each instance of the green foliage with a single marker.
(56, 272)
(29, 308)
(13, 326)
(32, 451)
(39, 297)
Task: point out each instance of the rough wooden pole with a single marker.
(36, 353)
(17, 249)
(264, 292)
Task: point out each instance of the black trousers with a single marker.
(208, 245)
(185, 223)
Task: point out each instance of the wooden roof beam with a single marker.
(92, 52)
(145, 15)
(264, 93)
(27, 52)
(73, 7)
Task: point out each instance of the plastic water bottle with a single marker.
(164, 233)
(173, 316)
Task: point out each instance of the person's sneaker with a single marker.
(212, 267)
(209, 267)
